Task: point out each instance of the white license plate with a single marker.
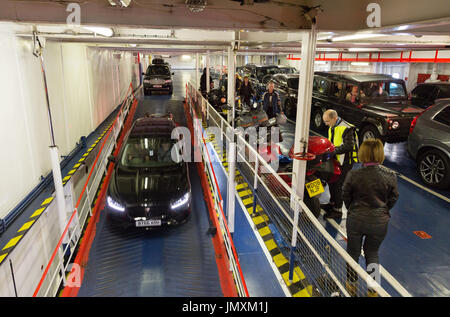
(157, 86)
(148, 223)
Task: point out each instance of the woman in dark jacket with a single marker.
(369, 193)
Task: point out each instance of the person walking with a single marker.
(369, 193)
(343, 136)
(272, 101)
(246, 91)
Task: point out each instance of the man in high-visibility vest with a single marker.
(343, 135)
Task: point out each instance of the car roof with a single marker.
(356, 76)
(442, 83)
(152, 126)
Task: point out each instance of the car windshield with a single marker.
(387, 90)
(293, 83)
(267, 71)
(158, 70)
(145, 152)
(288, 70)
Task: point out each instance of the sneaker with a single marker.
(351, 288)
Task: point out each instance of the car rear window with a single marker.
(444, 91)
(158, 70)
(443, 116)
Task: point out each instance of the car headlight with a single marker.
(114, 204)
(180, 202)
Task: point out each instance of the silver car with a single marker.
(429, 144)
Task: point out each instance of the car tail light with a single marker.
(414, 121)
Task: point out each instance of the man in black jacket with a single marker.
(343, 136)
(203, 81)
(246, 91)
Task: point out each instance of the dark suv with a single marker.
(424, 95)
(287, 87)
(376, 104)
(259, 71)
(158, 77)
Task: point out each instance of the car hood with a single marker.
(393, 108)
(139, 186)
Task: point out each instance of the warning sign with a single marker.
(314, 188)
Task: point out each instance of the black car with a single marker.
(287, 86)
(260, 71)
(158, 77)
(424, 95)
(376, 104)
(150, 185)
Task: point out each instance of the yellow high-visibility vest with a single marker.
(338, 139)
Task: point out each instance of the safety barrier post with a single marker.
(255, 185)
(231, 185)
(293, 242)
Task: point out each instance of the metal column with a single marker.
(231, 85)
(207, 72)
(197, 74)
(302, 127)
(231, 185)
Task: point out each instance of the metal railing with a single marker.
(60, 261)
(327, 266)
(193, 98)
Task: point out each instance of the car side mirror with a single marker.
(112, 159)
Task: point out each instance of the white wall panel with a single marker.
(84, 86)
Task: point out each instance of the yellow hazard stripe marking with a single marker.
(81, 159)
(279, 260)
(85, 154)
(248, 201)
(76, 165)
(270, 244)
(264, 231)
(12, 242)
(306, 292)
(258, 220)
(37, 212)
(241, 186)
(47, 201)
(26, 226)
(2, 257)
(245, 193)
(71, 172)
(66, 178)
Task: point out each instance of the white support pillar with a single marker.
(60, 198)
(197, 73)
(302, 128)
(231, 185)
(231, 85)
(207, 72)
(304, 107)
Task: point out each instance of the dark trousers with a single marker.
(374, 235)
(336, 188)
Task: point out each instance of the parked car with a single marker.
(376, 104)
(424, 95)
(429, 144)
(287, 87)
(148, 187)
(259, 71)
(158, 77)
(287, 69)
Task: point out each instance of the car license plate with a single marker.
(314, 188)
(157, 86)
(148, 223)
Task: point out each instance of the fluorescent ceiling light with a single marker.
(100, 30)
(320, 62)
(356, 36)
(133, 45)
(360, 64)
(185, 57)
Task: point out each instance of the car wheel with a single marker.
(434, 169)
(316, 119)
(369, 132)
